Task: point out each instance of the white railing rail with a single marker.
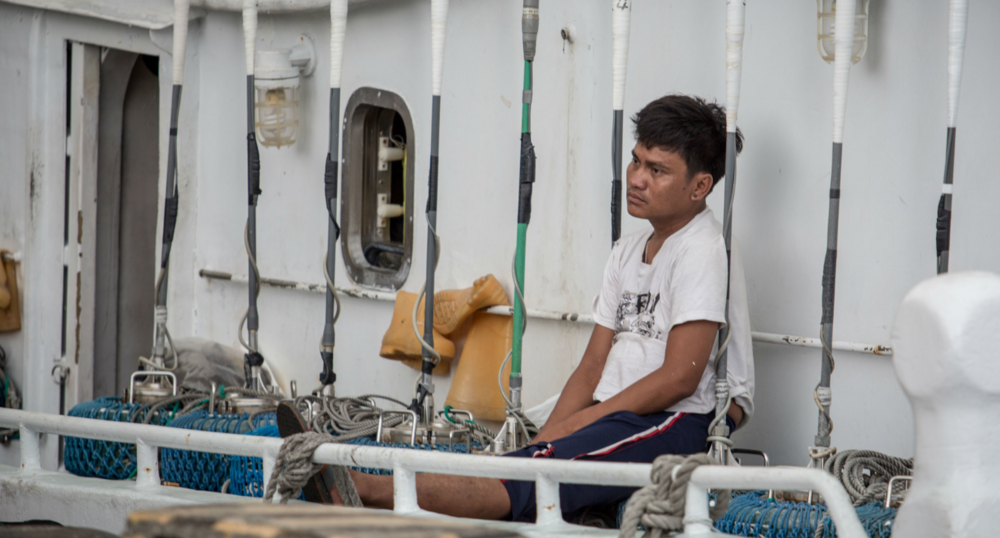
(547, 474)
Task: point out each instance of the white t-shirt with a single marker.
(685, 281)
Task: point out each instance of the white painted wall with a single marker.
(893, 164)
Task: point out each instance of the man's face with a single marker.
(658, 184)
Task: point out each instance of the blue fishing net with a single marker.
(106, 459)
(753, 514)
(206, 471)
(875, 518)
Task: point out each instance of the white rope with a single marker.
(865, 474)
(735, 22)
(249, 32)
(181, 9)
(843, 47)
(660, 506)
(958, 15)
(347, 418)
(338, 33)
(621, 17)
(439, 23)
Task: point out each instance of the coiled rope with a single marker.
(865, 475)
(659, 507)
(347, 418)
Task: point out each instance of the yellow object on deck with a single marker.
(451, 310)
(474, 387)
(10, 311)
(401, 344)
(453, 307)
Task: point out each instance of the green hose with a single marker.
(526, 180)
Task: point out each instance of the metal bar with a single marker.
(404, 490)
(535, 313)
(31, 453)
(548, 507)
(147, 471)
(804, 341)
(267, 466)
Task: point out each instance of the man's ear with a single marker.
(702, 185)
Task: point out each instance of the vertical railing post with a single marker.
(31, 452)
(547, 501)
(147, 471)
(696, 518)
(404, 490)
(267, 467)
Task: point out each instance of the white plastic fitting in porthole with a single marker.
(826, 15)
(277, 87)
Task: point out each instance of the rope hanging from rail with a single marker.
(294, 466)
(659, 507)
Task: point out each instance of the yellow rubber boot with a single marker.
(401, 344)
(453, 307)
(474, 387)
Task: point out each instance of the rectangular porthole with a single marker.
(377, 201)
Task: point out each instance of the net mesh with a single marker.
(190, 469)
(753, 514)
(206, 471)
(106, 459)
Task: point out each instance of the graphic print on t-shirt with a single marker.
(636, 314)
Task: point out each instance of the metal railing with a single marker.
(536, 313)
(546, 474)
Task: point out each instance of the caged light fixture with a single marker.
(826, 14)
(277, 81)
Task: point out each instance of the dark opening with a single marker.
(383, 245)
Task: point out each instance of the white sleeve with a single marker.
(606, 305)
(697, 285)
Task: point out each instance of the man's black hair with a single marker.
(689, 126)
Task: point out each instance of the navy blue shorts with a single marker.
(619, 437)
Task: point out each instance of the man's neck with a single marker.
(662, 229)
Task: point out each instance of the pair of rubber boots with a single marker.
(474, 387)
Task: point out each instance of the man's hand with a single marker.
(689, 347)
(579, 390)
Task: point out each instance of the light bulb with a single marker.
(826, 15)
(276, 99)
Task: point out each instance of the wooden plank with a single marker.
(296, 521)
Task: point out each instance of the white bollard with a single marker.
(946, 342)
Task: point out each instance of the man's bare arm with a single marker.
(579, 390)
(687, 354)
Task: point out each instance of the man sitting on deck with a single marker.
(645, 385)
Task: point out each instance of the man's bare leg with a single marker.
(459, 496)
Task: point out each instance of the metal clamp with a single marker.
(461, 412)
(755, 452)
(149, 373)
(413, 430)
(888, 490)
